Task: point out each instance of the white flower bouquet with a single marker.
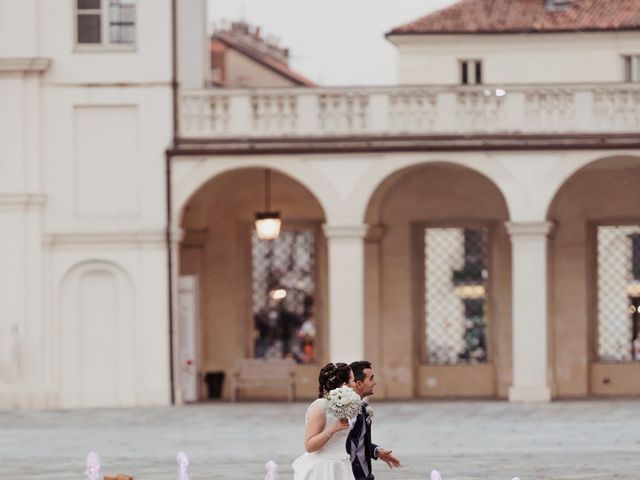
(343, 402)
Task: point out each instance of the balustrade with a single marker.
(409, 110)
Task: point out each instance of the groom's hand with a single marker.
(388, 457)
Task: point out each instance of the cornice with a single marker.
(105, 238)
(24, 64)
(403, 143)
(194, 237)
(20, 200)
(345, 231)
(529, 229)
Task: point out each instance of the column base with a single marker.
(530, 394)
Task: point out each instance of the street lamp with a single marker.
(268, 222)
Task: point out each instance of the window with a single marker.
(618, 282)
(558, 5)
(283, 274)
(106, 22)
(456, 281)
(470, 72)
(631, 68)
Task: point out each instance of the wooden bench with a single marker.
(252, 372)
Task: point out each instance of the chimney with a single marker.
(557, 5)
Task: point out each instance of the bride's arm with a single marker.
(316, 433)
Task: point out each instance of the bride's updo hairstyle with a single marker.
(332, 375)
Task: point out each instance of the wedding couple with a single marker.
(340, 448)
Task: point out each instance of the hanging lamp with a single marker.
(268, 222)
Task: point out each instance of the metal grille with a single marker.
(283, 295)
(618, 293)
(456, 276)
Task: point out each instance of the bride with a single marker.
(325, 436)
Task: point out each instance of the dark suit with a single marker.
(360, 448)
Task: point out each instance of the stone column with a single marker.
(346, 291)
(373, 297)
(529, 277)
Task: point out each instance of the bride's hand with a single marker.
(341, 424)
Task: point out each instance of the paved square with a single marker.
(464, 440)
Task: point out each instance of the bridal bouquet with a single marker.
(343, 402)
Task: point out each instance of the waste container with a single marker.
(214, 381)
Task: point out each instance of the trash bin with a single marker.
(214, 381)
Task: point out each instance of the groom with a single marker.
(359, 445)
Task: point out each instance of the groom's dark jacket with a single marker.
(360, 448)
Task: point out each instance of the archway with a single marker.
(438, 284)
(595, 263)
(256, 299)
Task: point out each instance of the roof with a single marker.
(526, 16)
(267, 61)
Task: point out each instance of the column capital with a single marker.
(344, 231)
(375, 233)
(529, 229)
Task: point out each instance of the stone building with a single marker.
(473, 230)
(242, 57)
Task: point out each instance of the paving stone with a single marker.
(589, 440)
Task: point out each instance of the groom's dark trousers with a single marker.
(360, 448)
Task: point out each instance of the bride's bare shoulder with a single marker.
(317, 407)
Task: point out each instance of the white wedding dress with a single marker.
(331, 462)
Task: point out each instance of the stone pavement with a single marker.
(463, 440)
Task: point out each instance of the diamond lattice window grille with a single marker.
(283, 277)
(618, 293)
(456, 282)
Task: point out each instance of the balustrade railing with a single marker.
(410, 110)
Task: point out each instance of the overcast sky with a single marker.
(332, 42)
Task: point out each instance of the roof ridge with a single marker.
(518, 16)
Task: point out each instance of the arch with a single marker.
(97, 336)
(428, 198)
(220, 251)
(563, 172)
(98, 263)
(383, 175)
(193, 175)
(590, 193)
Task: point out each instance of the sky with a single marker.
(332, 42)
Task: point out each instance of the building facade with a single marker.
(242, 57)
(86, 118)
(473, 231)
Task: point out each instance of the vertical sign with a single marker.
(187, 336)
